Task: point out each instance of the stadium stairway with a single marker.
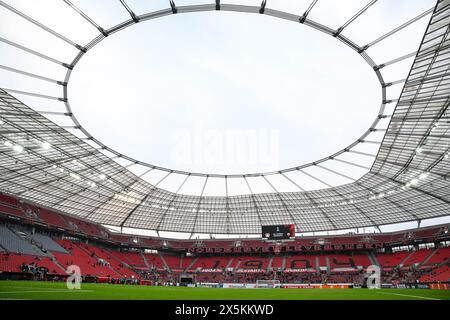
(56, 262)
(402, 263)
(269, 265)
(191, 264)
(237, 265)
(80, 256)
(37, 246)
(283, 263)
(114, 265)
(15, 243)
(166, 265)
(441, 273)
(2, 249)
(229, 263)
(418, 257)
(373, 259)
(317, 264)
(82, 248)
(110, 266)
(48, 252)
(10, 262)
(145, 260)
(44, 241)
(429, 257)
(124, 263)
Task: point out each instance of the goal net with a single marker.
(268, 284)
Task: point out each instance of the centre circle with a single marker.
(224, 93)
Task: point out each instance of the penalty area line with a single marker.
(46, 291)
(407, 295)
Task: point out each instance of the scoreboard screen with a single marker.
(279, 232)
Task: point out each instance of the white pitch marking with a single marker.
(47, 291)
(29, 288)
(407, 295)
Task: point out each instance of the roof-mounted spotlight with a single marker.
(75, 176)
(423, 175)
(18, 148)
(46, 145)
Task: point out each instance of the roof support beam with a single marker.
(227, 206)
(352, 164)
(263, 7)
(125, 187)
(390, 201)
(32, 94)
(62, 151)
(173, 7)
(85, 189)
(32, 75)
(286, 207)
(175, 195)
(86, 17)
(393, 83)
(306, 193)
(352, 203)
(360, 12)
(254, 201)
(33, 52)
(336, 173)
(45, 195)
(144, 199)
(43, 27)
(308, 10)
(393, 61)
(130, 12)
(362, 153)
(414, 188)
(317, 179)
(393, 31)
(425, 136)
(197, 208)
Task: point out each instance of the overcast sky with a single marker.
(221, 92)
(217, 92)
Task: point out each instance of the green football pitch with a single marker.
(12, 290)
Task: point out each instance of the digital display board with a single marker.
(278, 232)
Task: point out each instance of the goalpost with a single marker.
(268, 284)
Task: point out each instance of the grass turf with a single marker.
(11, 290)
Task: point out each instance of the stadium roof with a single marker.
(75, 173)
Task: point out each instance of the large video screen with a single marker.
(278, 232)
